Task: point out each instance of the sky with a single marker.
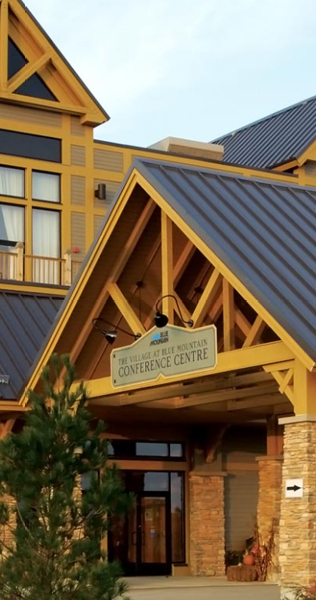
(195, 69)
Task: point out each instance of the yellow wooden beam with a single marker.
(42, 104)
(304, 390)
(242, 322)
(228, 316)
(222, 396)
(10, 406)
(6, 428)
(288, 391)
(255, 331)
(279, 366)
(207, 297)
(286, 166)
(4, 28)
(125, 309)
(243, 358)
(287, 380)
(184, 311)
(26, 72)
(168, 304)
(118, 267)
(176, 391)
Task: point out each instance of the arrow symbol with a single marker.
(293, 488)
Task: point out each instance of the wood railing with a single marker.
(18, 266)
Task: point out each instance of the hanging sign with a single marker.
(166, 351)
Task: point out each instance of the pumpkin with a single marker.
(248, 559)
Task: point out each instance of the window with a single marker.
(12, 182)
(11, 232)
(34, 86)
(132, 449)
(27, 145)
(46, 243)
(45, 186)
(11, 224)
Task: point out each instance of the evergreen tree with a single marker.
(55, 550)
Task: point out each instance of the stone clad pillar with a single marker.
(297, 549)
(207, 524)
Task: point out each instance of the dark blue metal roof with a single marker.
(262, 230)
(25, 322)
(273, 140)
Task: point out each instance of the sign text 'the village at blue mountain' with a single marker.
(169, 351)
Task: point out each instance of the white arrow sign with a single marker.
(294, 488)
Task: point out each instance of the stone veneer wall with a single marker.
(269, 501)
(297, 548)
(207, 527)
(6, 531)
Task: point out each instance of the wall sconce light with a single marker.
(100, 192)
(161, 320)
(111, 335)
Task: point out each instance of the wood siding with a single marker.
(98, 220)
(30, 115)
(76, 128)
(78, 155)
(78, 190)
(108, 160)
(241, 497)
(78, 234)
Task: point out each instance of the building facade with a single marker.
(96, 238)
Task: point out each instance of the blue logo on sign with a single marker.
(159, 338)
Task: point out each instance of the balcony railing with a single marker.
(17, 266)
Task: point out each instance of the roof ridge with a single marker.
(266, 118)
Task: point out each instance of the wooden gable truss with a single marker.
(145, 253)
(43, 58)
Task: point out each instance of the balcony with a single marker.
(17, 266)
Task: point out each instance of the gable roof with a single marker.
(80, 99)
(264, 232)
(261, 231)
(25, 321)
(273, 140)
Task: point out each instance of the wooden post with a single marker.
(66, 270)
(19, 249)
(274, 437)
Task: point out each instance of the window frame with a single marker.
(152, 457)
(50, 202)
(12, 243)
(23, 170)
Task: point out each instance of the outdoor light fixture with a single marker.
(161, 320)
(111, 335)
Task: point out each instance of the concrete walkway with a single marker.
(198, 588)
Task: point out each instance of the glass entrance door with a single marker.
(142, 541)
(153, 534)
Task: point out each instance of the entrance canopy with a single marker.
(211, 247)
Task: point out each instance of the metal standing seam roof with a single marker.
(25, 321)
(263, 231)
(273, 140)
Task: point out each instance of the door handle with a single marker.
(134, 538)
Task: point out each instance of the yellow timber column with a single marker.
(297, 548)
